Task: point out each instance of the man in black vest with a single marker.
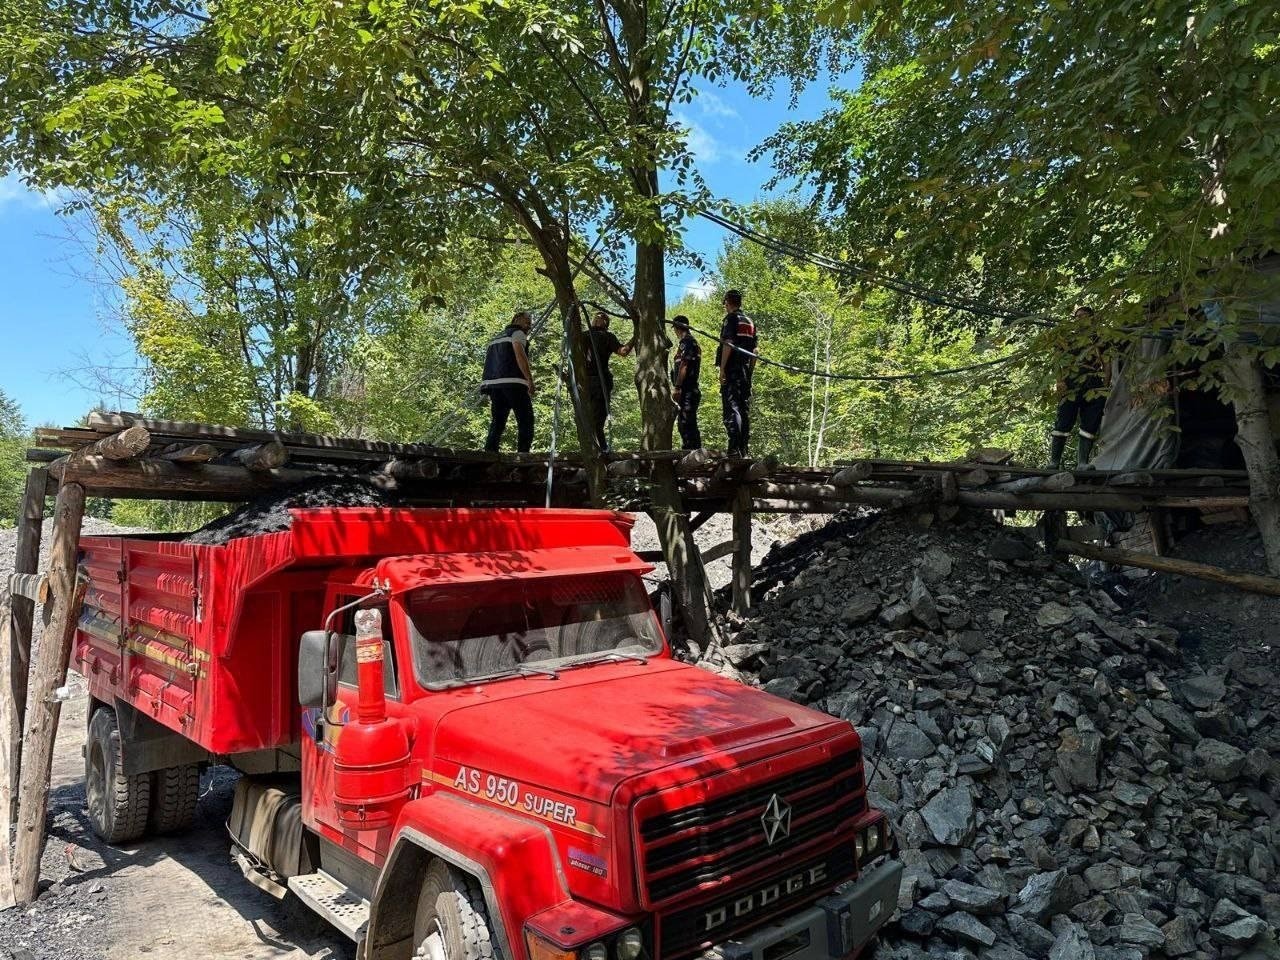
(601, 347)
(508, 382)
(684, 381)
(738, 333)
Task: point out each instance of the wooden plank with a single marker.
(10, 735)
(1251, 582)
(48, 672)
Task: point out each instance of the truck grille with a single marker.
(705, 843)
(693, 929)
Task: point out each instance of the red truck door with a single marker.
(317, 754)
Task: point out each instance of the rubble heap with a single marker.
(1065, 782)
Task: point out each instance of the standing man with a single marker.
(1080, 397)
(738, 333)
(684, 378)
(508, 382)
(601, 348)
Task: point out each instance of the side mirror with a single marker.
(317, 677)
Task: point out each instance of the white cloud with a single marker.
(15, 193)
(704, 147)
(700, 289)
(712, 105)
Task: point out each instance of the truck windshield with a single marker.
(465, 633)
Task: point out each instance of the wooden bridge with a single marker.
(128, 456)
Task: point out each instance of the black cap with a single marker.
(681, 322)
(734, 296)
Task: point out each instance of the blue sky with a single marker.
(55, 300)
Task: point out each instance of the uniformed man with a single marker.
(738, 333)
(1080, 397)
(602, 346)
(508, 382)
(684, 379)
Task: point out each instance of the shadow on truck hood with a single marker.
(586, 732)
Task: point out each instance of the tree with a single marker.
(13, 467)
(1032, 155)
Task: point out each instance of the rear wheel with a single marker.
(118, 805)
(453, 920)
(174, 797)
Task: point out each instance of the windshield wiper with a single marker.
(529, 668)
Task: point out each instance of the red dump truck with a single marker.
(463, 737)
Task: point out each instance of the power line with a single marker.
(938, 298)
(864, 377)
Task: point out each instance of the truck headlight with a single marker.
(597, 951)
(873, 839)
(859, 845)
(630, 944)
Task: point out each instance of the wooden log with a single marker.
(700, 518)
(26, 562)
(625, 468)
(1252, 582)
(125, 445)
(978, 477)
(412, 469)
(48, 672)
(854, 473)
(1085, 499)
(765, 505)
(262, 458)
(741, 601)
(762, 468)
(10, 734)
(887, 496)
(162, 480)
(189, 453)
(1135, 478)
(695, 460)
(1063, 480)
(718, 552)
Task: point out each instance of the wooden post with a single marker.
(8, 745)
(1252, 582)
(48, 672)
(26, 561)
(742, 549)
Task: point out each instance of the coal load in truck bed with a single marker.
(270, 512)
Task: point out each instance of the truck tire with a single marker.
(453, 920)
(173, 798)
(118, 805)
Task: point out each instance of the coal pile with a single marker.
(1065, 781)
(270, 513)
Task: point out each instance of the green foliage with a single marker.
(1116, 151)
(805, 320)
(13, 467)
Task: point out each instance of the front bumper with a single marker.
(834, 927)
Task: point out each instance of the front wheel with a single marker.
(453, 920)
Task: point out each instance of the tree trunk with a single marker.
(1257, 443)
(657, 412)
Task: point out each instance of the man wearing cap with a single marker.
(684, 378)
(737, 334)
(508, 383)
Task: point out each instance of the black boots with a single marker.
(1057, 445)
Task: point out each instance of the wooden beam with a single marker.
(1086, 498)
(263, 458)
(888, 496)
(741, 601)
(190, 453)
(162, 480)
(26, 562)
(1252, 582)
(700, 518)
(10, 734)
(48, 672)
(1058, 482)
(412, 469)
(854, 473)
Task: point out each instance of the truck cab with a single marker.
(495, 755)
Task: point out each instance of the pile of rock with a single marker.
(1066, 783)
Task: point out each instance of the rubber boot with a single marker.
(1084, 447)
(1057, 445)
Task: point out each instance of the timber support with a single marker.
(742, 550)
(21, 620)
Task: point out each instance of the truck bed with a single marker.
(204, 638)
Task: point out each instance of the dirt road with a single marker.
(171, 896)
